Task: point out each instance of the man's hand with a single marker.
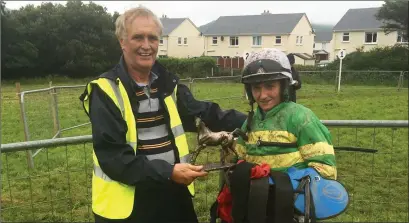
(185, 173)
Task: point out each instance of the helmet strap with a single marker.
(250, 115)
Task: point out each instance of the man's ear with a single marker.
(122, 43)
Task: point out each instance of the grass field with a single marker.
(58, 188)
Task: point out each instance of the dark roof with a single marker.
(359, 19)
(204, 27)
(325, 36)
(254, 24)
(169, 24)
(304, 56)
(320, 52)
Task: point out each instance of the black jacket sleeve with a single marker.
(296, 76)
(116, 158)
(210, 113)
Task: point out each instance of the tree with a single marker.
(394, 15)
(74, 39)
(19, 54)
(3, 7)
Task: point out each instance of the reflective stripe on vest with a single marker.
(112, 199)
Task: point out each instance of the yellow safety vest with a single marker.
(112, 199)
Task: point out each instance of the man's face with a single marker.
(141, 43)
(266, 94)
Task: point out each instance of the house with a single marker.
(231, 36)
(304, 59)
(180, 38)
(359, 28)
(322, 46)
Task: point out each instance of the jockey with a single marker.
(281, 143)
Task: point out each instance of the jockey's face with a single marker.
(266, 94)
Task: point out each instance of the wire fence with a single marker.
(58, 189)
(228, 89)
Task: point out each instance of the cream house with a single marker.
(231, 36)
(180, 38)
(322, 46)
(359, 28)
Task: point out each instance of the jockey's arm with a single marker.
(315, 146)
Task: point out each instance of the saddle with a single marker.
(277, 197)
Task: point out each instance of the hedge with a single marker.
(189, 67)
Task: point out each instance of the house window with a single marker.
(401, 38)
(278, 39)
(300, 40)
(256, 40)
(324, 46)
(185, 40)
(234, 41)
(371, 37)
(214, 40)
(179, 40)
(297, 40)
(345, 37)
(161, 41)
(313, 45)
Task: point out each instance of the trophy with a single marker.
(205, 138)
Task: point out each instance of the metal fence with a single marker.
(59, 95)
(58, 189)
(53, 92)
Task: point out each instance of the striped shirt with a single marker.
(153, 136)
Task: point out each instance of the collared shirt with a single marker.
(147, 87)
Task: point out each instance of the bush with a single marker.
(389, 58)
(189, 67)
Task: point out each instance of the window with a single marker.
(297, 40)
(161, 41)
(345, 37)
(234, 41)
(324, 46)
(185, 41)
(300, 40)
(214, 40)
(256, 40)
(370, 37)
(278, 39)
(401, 39)
(179, 40)
(313, 45)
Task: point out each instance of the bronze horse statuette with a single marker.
(205, 138)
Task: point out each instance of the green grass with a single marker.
(58, 189)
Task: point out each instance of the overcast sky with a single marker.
(202, 12)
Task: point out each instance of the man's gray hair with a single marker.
(129, 15)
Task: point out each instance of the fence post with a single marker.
(400, 80)
(54, 110)
(212, 71)
(191, 86)
(29, 153)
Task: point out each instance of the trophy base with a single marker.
(217, 166)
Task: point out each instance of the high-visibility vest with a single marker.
(112, 199)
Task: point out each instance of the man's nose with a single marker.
(145, 43)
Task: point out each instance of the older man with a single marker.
(139, 114)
